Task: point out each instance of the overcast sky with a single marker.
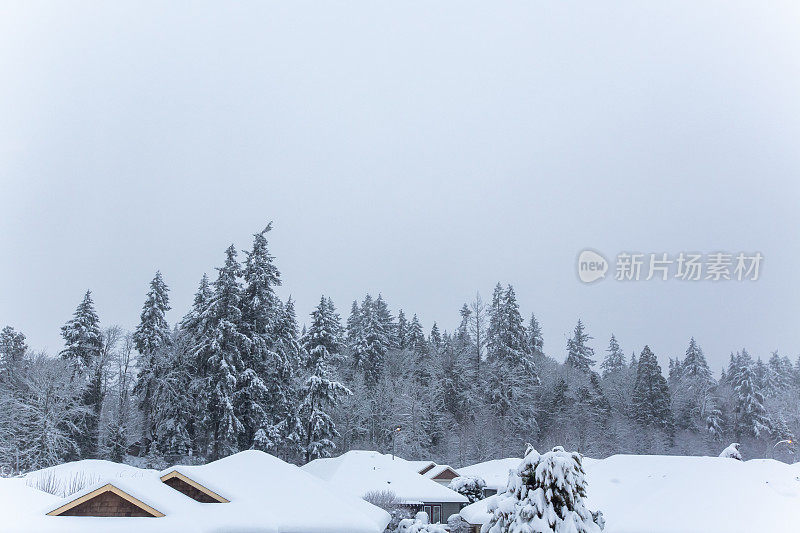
(422, 150)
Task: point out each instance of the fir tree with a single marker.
(535, 339)
(614, 361)
(750, 417)
(402, 330)
(221, 347)
(151, 338)
(82, 336)
(546, 494)
(261, 398)
(579, 354)
(12, 354)
(83, 346)
(321, 342)
(694, 364)
(650, 402)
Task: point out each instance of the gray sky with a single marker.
(423, 150)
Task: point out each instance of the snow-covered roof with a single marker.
(359, 472)
(668, 494)
(265, 494)
(478, 512)
(438, 469)
(494, 472)
(416, 466)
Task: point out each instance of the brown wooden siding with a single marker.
(107, 504)
(192, 492)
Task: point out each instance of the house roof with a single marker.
(494, 472)
(417, 466)
(359, 472)
(439, 469)
(265, 494)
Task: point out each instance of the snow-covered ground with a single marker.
(678, 494)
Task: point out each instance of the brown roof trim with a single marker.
(205, 490)
(426, 468)
(106, 488)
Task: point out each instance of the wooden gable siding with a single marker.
(191, 488)
(192, 492)
(107, 501)
(446, 474)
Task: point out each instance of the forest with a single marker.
(238, 371)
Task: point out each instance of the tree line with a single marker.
(237, 372)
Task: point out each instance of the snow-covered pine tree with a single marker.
(535, 340)
(749, 414)
(402, 330)
(546, 494)
(83, 345)
(12, 355)
(650, 402)
(614, 361)
(285, 392)
(174, 408)
(372, 342)
(151, 339)
(579, 353)
(694, 365)
(261, 397)
(320, 394)
(221, 346)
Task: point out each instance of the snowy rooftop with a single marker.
(494, 472)
(679, 494)
(265, 493)
(359, 472)
(416, 466)
(438, 469)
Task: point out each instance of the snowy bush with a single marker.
(458, 524)
(545, 494)
(732, 452)
(389, 502)
(419, 524)
(469, 486)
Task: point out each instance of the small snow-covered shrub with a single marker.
(389, 502)
(419, 524)
(545, 494)
(50, 483)
(458, 524)
(732, 452)
(470, 486)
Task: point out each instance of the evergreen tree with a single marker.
(535, 339)
(83, 346)
(82, 336)
(12, 355)
(614, 361)
(750, 417)
(694, 365)
(546, 494)
(262, 396)
(221, 348)
(320, 393)
(402, 330)
(151, 338)
(579, 354)
(651, 403)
